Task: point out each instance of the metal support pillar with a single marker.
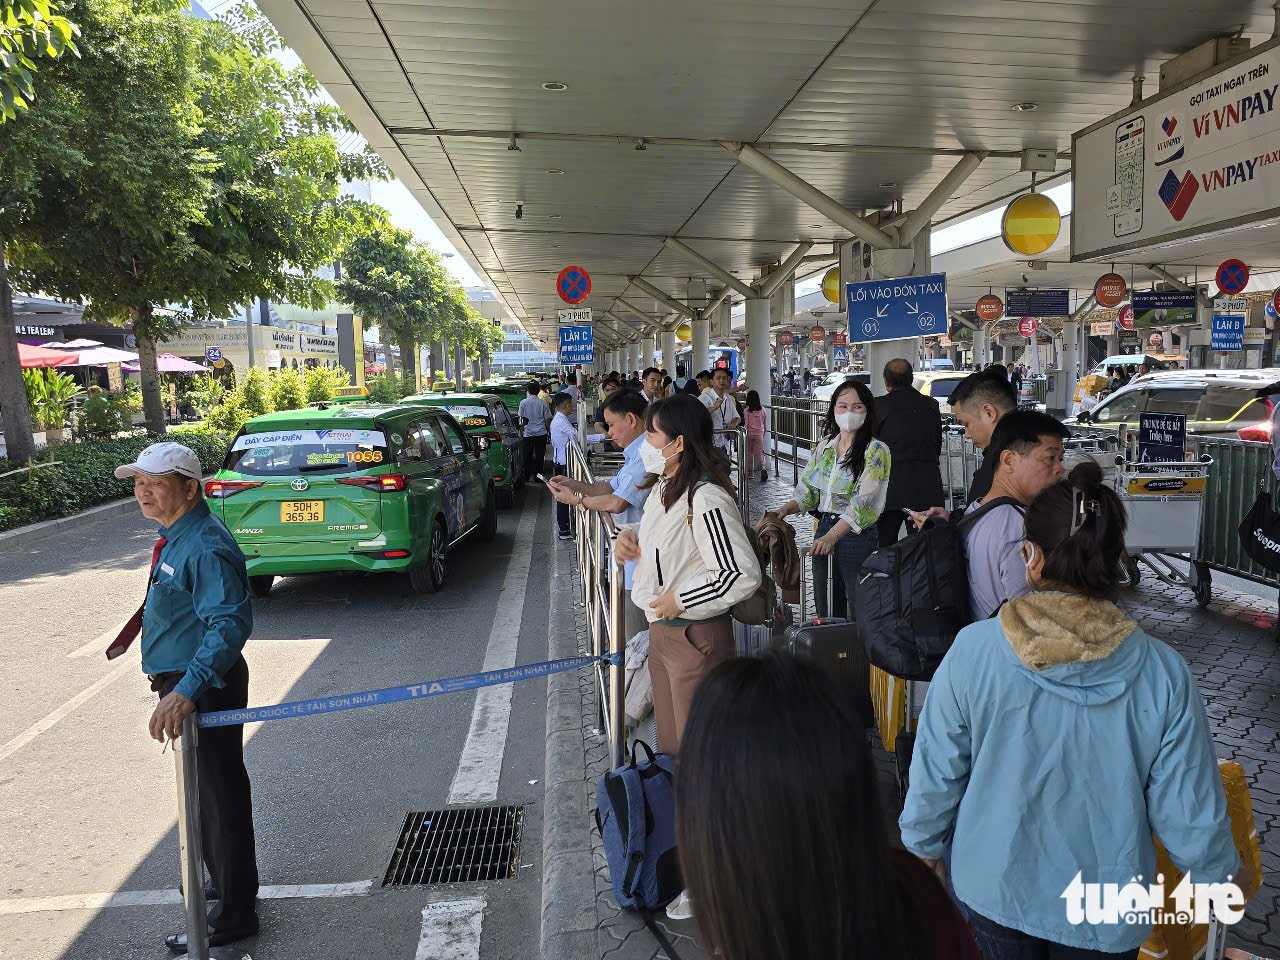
(1177, 284)
(919, 218)
(646, 352)
(713, 269)
(660, 295)
(668, 339)
(701, 341)
(758, 349)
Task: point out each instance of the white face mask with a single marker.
(652, 457)
(849, 422)
(1029, 558)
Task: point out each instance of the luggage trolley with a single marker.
(1163, 503)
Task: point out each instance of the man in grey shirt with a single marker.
(533, 437)
(1028, 451)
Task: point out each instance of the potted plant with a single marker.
(53, 406)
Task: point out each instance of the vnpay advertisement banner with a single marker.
(1200, 159)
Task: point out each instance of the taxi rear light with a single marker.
(1259, 431)
(385, 554)
(491, 435)
(382, 482)
(221, 489)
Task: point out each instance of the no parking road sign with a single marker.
(573, 284)
(1233, 276)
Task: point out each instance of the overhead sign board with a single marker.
(817, 333)
(1232, 276)
(1037, 303)
(989, 307)
(1125, 318)
(786, 337)
(1238, 305)
(1163, 308)
(1027, 326)
(1109, 290)
(576, 345)
(1102, 328)
(1227, 333)
(1030, 224)
(575, 315)
(897, 309)
(1199, 159)
(839, 340)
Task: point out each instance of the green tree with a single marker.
(29, 30)
(213, 178)
(287, 390)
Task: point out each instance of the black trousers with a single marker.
(563, 510)
(889, 525)
(226, 810)
(535, 451)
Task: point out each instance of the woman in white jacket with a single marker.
(694, 558)
(694, 563)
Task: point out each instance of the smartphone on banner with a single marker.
(1130, 163)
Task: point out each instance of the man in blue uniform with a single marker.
(194, 623)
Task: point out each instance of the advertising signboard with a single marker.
(1037, 303)
(1199, 159)
(1163, 308)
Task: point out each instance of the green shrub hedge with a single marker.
(84, 477)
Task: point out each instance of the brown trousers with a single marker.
(679, 657)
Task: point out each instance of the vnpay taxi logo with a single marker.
(1178, 194)
(1169, 147)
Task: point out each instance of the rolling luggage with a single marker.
(833, 642)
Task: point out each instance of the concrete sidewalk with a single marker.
(1232, 653)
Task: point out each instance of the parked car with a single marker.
(823, 389)
(1222, 403)
(353, 488)
(485, 415)
(510, 392)
(939, 386)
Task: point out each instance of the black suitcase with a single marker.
(834, 643)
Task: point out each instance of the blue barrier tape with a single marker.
(414, 691)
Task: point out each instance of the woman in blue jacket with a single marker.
(1056, 738)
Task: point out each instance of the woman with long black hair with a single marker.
(781, 831)
(844, 486)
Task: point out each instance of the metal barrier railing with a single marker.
(797, 423)
(601, 582)
(1241, 470)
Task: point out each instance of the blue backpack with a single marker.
(635, 811)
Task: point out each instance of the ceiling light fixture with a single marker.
(555, 86)
(555, 173)
(888, 185)
(1025, 107)
(553, 216)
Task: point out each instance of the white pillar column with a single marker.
(1067, 365)
(668, 339)
(646, 353)
(758, 349)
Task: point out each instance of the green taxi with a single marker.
(510, 393)
(484, 415)
(354, 487)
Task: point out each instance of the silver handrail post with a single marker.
(190, 852)
(618, 670)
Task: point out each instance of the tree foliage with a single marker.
(29, 30)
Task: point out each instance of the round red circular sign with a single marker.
(1110, 290)
(1156, 340)
(1232, 277)
(786, 337)
(1275, 301)
(1126, 317)
(818, 333)
(573, 284)
(1027, 326)
(989, 307)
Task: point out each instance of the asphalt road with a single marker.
(87, 800)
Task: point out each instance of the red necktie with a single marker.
(129, 632)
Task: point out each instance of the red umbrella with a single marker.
(29, 356)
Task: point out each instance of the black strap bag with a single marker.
(1260, 533)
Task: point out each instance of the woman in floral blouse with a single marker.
(844, 487)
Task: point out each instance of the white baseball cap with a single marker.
(160, 459)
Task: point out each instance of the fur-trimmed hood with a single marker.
(1072, 644)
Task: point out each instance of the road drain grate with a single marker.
(456, 846)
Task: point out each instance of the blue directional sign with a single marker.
(576, 345)
(1037, 303)
(1227, 332)
(897, 309)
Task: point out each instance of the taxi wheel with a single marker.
(429, 578)
(260, 585)
(489, 522)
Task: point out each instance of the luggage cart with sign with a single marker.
(1163, 503)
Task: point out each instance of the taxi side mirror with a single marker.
(1083, 416)
(481, 444)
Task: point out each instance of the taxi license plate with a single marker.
(302, 511)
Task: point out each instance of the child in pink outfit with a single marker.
(756, 420)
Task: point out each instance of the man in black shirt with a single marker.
(911, 425)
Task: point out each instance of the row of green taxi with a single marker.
(352, 486)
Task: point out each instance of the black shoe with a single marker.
(210, 894)
(566, 535)
(177, 942)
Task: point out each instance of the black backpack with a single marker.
(912, 598)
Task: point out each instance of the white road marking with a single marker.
(40, 726)
(481, 764)
(99, 646)
(451, 930)
(151, 898)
